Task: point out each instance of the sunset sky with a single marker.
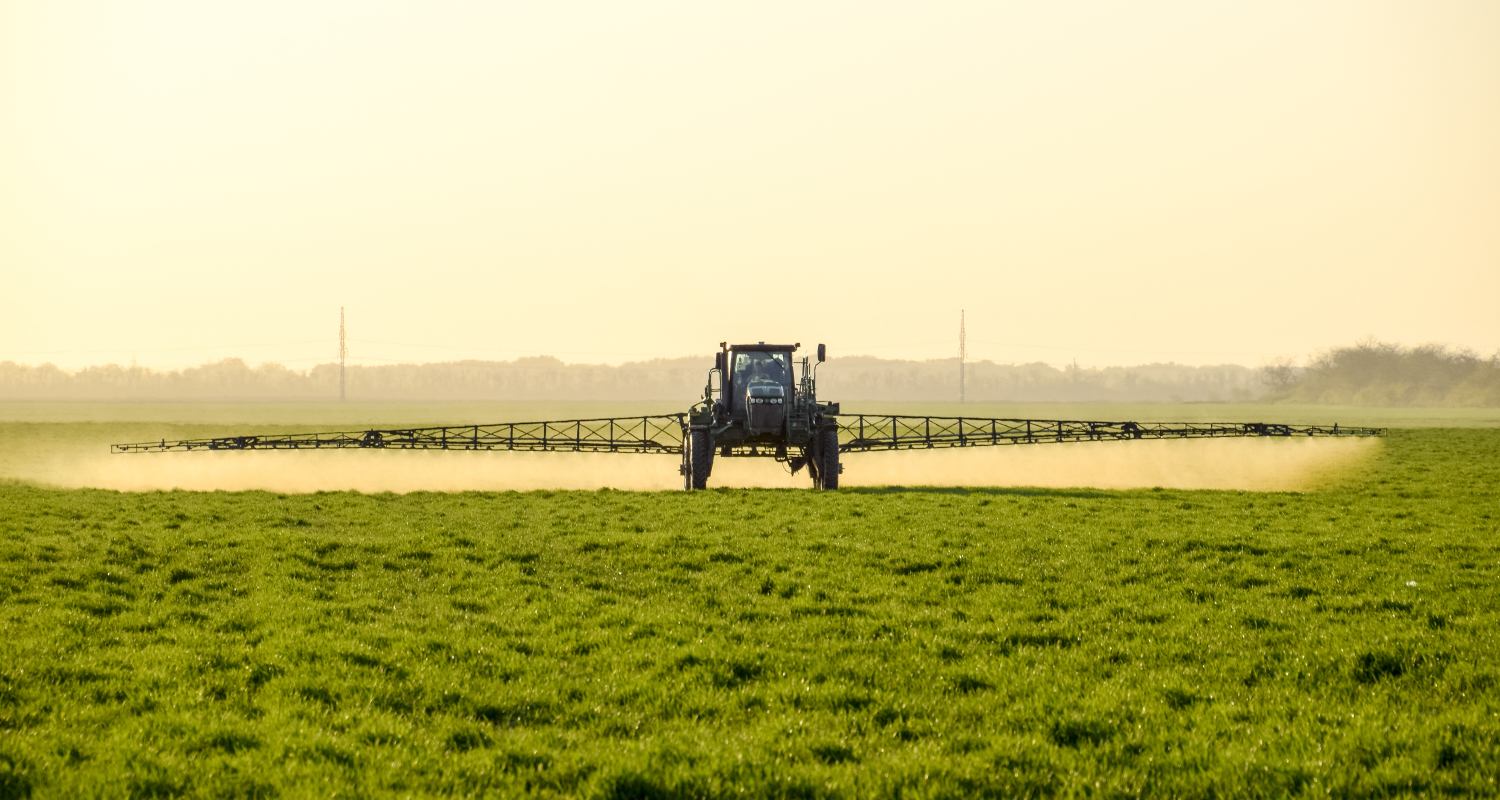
(1111, 182)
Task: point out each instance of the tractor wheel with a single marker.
(828, 459)
(700, 459)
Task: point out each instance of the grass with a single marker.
(926, 643)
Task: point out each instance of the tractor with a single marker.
(753, 405)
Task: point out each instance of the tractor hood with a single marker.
(765, 406)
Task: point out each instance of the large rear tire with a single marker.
(827, 455)
(700, 459)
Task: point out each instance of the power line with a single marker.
(343, 353)
(963, 354)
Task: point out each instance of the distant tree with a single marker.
(1279, 376)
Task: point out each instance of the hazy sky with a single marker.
(1116, 182)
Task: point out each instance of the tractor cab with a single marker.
(755, 386)
(759, 386)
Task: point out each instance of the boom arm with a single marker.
(656, 434)
(862, 432)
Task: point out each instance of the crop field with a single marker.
(1006, 641)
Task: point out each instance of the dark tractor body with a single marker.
(755, 405)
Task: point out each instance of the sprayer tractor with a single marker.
(757, 403)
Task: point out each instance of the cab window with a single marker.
(753, 368)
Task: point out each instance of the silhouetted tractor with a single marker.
(755, 404)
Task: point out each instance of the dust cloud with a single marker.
(1247, 464)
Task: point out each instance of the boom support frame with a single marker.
(651, 434)
(665, 433)
(864, 432)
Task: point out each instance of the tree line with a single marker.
(1380, 374)
(678, 379)
(1369, 373)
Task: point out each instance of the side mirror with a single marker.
(719, 361)
(822, 353)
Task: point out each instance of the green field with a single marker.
(917, 642)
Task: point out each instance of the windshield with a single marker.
(753, 368)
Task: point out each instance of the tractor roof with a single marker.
(762, 347)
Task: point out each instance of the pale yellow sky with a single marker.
(1114, 182)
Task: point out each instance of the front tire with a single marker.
(827, 455)
(700, 459)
